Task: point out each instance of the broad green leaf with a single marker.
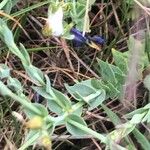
(113, 91)
(113, 117)
(54, 107)
(119, 75)
(91, 2)
(49, 125)
(35, 74)
(107, 72)
(25, 54)
(99, 84)
(120, 60)
(145, 144)
(9, 5)
(62, 100)
(77, 14)
(73, 129)
(80, 90)
(137, 118)
(57, 102)
(87, 83)
(15, 85)
(78, 111)
(97, 100)
(4, 71)
(137, 111)
(77, 125)
(147, 106)
(7, 37)
(31, 138)
(42, 91)
(85, 92)
(31, 133)
(3, 3)
(147, 116)
(30, 114)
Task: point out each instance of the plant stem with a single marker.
(85, 17)
(99, 136)
(77, 105)
(30, 141)
(7, 92)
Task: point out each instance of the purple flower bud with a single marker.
(97, 39)
(78, 37)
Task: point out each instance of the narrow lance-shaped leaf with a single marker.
(73, 129)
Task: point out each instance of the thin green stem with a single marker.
(86, 16)
(7, 92)
(78, 105)
(30, 141)
(99, 136)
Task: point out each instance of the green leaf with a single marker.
(7, 5)
(62, 100)
(42, 91)
(48, 84)
(96, 101)
(113, 90)
(120, 60)
(147, 106)
(119, 75)
(15, 85)
(77, 14)
(147, 116)
(35, 74)
(56, 101)
(121, 131)
(80, 90)
(4, 71)
(3, 3)
(59, 98)
(31, 138)
(78, 111)
(137, 111)
(77, 125)
(113, 117)
(137, 118)
(85, 92)
(50, 124)
(7, 36)
(107, 72)
(25, 54)
(54, 107)
(114, 146)
(30, 114)
(145, 144)
(73, 129)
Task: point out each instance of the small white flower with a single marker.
(55, 22)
